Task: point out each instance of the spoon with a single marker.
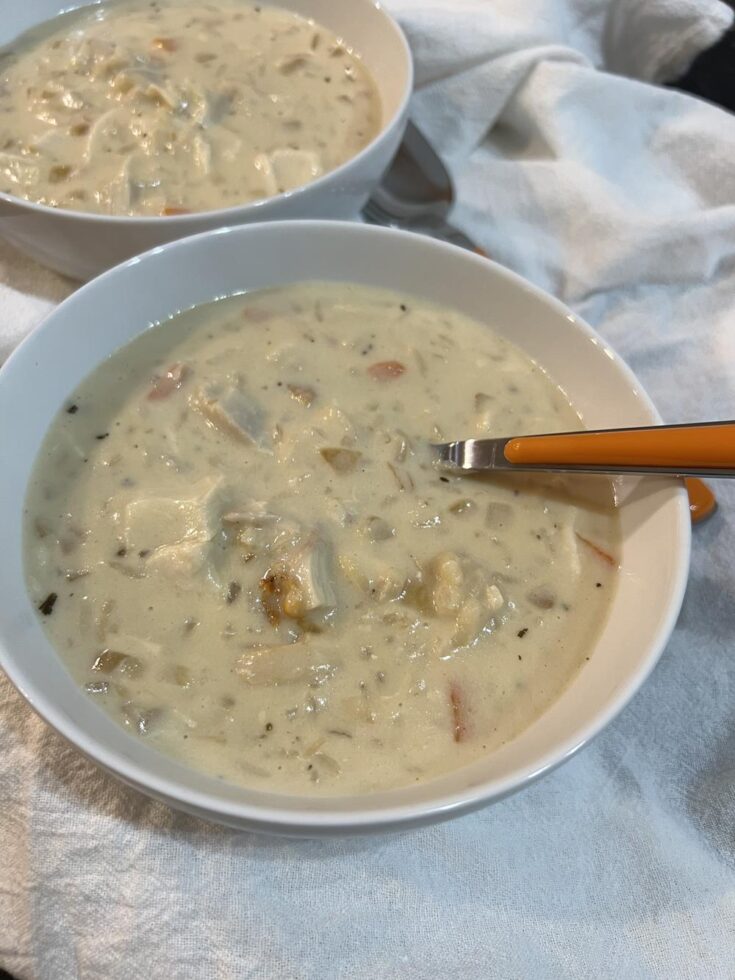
(699, 449)
(417, 193)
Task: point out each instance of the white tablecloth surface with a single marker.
(617, 196)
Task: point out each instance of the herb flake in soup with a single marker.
(140, 108)
(260, 569)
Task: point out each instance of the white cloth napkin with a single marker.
(618, 197)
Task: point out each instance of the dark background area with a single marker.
(712, 75)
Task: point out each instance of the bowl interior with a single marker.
(112, 309)
(362, 24)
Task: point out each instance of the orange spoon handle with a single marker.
(702, 502)
(702, 448)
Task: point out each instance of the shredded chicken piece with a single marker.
(261, 532)
(175, 535)
(375, 578)
(284, 169)
(299, 585)
(286, 664)
(454, 587)
(233, 412)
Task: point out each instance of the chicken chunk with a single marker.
(261, 532)
(443, 585)
(375, 578)
(283, 170)
(300, 585)
(175, 535)
(183, 560)
(485, 411)
(154, 521)
(287, 664)
(233, 412)
(454, 587)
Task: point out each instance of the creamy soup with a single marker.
(159, 108)
(240, 543)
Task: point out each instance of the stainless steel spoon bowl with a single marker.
(417, 193)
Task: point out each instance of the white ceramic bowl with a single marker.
(82, 245)
(110, 311)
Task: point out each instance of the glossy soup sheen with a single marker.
(238, 541)
(160, 108)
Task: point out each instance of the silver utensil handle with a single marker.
(439, 228)
(688, 449)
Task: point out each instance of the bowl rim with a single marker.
(302, 820)
(249, 208)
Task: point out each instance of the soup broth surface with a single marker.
(239, 542)
(160, 108)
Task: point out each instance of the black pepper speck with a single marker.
(47, 606)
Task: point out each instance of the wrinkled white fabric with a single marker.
(618, 197)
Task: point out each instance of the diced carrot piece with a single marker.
(170, 212)
(459, 712)
(385, 370)
(166, 384)
(165, 44)
(255, 314)
(600, 552)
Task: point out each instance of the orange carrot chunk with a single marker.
(600, 552)
(256, 314)
(459, 713)
(166, 384)
(165, 44)
(386, 370)
(172, 211)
